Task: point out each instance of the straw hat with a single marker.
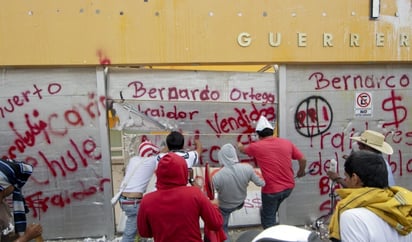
(374, 140)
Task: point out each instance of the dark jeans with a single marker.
(226, 215)
(270, 206)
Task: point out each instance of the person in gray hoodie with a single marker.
(231, 183)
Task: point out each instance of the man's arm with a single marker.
(199, 147)
(210, 213)
(240, 147)
(302, 167)
(32, 231)
(336, 178)
(255, 178)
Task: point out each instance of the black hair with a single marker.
(175, 141)
(370, 167)
(363, 146)
(265, 132)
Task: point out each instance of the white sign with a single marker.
(363, 104)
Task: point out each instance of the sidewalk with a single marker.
(233, 232)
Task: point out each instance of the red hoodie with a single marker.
(172, 212)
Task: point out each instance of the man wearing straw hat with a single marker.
(372, 141)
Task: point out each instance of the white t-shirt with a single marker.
(191, 157)
(142, 175)
(362, 225)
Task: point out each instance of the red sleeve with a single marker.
(143, 224)
(249, 149)
(210, 213)
(296, 154)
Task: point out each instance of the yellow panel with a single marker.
(149, 32)
(237, 68)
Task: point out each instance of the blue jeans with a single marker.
(270, 206)
(226, 215)
(130, 229)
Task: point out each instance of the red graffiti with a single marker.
(399, 112)
(26, 97)
(324, 185)
(28, 138)
(398, 166)
(255, 202)
(242, 119)
(252, 96)
(337, 140)
(399, 137)
(39, 203)
(174, 93)
(103, 60)
(35, 127)
(69, 161)
(347, 82)
(196, 94)
(320, 166)
(325, 206)
(174, 113)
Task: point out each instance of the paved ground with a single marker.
(236, 234)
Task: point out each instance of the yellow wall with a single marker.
(153, 32)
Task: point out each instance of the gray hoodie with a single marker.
(232, 180)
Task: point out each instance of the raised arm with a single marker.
(240, 147)
(199, 147)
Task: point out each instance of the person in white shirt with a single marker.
(370, 210)
(139, 171)
(175, 142)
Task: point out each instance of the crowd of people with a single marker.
(370, 208)
(176, 195)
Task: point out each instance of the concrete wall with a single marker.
(55, 119)
(217, 107)
(322, 106)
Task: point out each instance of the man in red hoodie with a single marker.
(172, 212)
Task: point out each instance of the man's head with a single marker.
(365, 168)
(171, 171)
(13, 173)
(13, 176)
(373, 141)
(264, 128)
(147, 148)
(227, 155)
(175, 141)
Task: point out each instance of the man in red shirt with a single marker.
(274, 157)
(172, 212)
